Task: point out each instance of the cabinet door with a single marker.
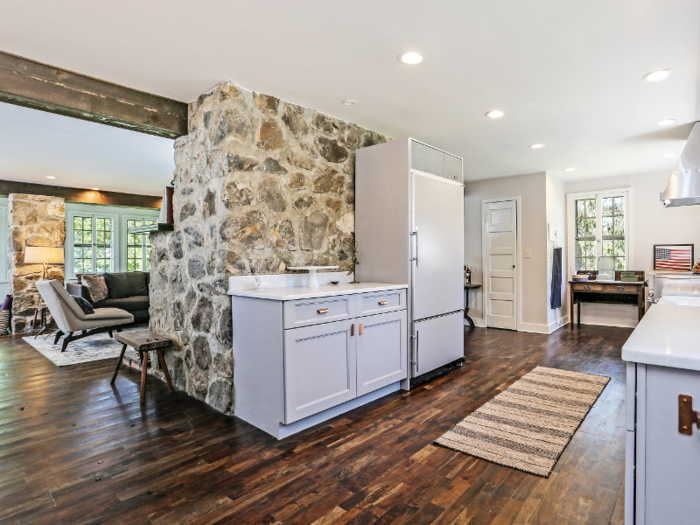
(672, 459)
(381, 351)
(319, 368)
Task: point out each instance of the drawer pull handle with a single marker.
(383, 302)
(686, 415)
(322, 310)
(621, 288)
(586, 286)
(360, 328)
(352, 329)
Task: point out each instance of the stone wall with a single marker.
(34, 220)
(260, 185)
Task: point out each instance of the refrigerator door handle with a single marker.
(417, 350)
(415, 234)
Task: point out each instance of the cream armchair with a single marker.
(70, 318)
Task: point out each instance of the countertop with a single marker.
(667, 335)
(291, 293)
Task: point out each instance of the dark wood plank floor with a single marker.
(73, 450)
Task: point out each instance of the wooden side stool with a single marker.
(143, 341)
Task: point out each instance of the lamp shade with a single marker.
(43, 254)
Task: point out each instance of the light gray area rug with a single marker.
(94, 348)
(530, 423)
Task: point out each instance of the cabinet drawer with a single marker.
(378, 302)
(621, 288)
(588, 287)
(305, 312)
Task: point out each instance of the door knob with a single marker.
(513, 266)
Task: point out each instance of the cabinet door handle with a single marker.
(322, 310)
(382, 302)
(687, 417)
(360, 328)
(352, 329)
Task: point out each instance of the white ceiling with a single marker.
(35, 144)
(567, 73)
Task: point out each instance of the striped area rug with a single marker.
(529, 424)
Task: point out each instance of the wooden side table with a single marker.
(40, 312)
(143, 341)
(468, 287)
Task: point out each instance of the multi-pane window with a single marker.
(586, 234)
(614, 230)
(599, 232)
(92, 244)
(138, 247)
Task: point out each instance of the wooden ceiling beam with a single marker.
(35, 85)
(109, 198)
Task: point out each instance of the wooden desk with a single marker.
(607, 292)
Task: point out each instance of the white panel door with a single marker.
(319, 368)
(381, 344)
(438, 246)
(501, 251)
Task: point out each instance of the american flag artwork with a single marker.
(673, 257)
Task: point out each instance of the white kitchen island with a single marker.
(662, 463)
(304, 355)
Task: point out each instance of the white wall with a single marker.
(651, 223)
(556, 214)
(531, 188)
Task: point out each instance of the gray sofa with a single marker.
(127, 291)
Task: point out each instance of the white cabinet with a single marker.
(300, 362)
(381, 344)
(662, 463)
(319, 368)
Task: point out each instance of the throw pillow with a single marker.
(97, 288)
(84, 304)
(137, 283)
(117, 285)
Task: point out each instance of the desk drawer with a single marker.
(378, 302)
(588, 287)
(621, 288)
(305, 312)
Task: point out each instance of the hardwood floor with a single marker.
(73, 450)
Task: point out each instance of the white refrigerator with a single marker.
(409, 228)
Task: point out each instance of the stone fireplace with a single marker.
(260, 185)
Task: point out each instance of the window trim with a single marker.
(70, 238)
(125, 224)
(571, 199)
(4, 234)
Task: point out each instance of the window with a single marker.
(599, 231)
(138, 247)
(92, 244)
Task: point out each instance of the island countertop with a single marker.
(668, 335)
(291, 293)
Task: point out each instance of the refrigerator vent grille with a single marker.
(436, 162)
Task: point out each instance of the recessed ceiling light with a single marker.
(537, 146)
(349, 102)
(50, 177)
(496, 113)
(666, 122)
(655, 76)
(411, 57)
(95, 189)
(670, 155)
(569, 169)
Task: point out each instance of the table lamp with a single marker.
(43, 255)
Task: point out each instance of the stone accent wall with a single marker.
(260, 185)
(34, 220)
